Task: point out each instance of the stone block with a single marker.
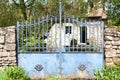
(11, 29)
(110, 64)
(110, 30)
(2, 31)
(110, 53)
(114, 47)
(1, 46)
(107, 42)
(116, 39)
(108, 60)
(10, 38)
(1, 50)
(2, 38)
(12, 54)
(10, 47)
(5, 59)
(0, 59)
(115, 43)
(108, 46)
(3, 54)
(7, 62)
(118, 51)
(116, 61)
(118, 55)
(12, 58)
(108, 34)
(12, 64)
(118, 32)
(109, 38)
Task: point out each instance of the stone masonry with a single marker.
(7, 46)
(112, 46)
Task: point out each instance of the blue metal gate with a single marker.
(60, 46)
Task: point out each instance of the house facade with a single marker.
(73, 35)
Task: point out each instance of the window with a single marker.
(68, 30)
(83, 34)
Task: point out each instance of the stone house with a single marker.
(97, 15)
(72, 35)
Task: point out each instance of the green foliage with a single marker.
(31, 38)
(3, 76)
(33, 9)
(108, 73)
(13, 73)
(113, 12)
(9, 14)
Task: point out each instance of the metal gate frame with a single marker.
(40, 63)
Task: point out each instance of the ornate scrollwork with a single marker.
(38, 67)
(81, 67)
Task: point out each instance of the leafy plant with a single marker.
(13, 73)
(3, 76)
(108, 73)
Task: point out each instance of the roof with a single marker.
(98, 13)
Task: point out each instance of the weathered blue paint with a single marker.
(50, 63)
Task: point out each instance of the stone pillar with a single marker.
(112, 46)
(7, 46)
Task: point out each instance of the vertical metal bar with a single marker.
(102, 25)
(103, 44)
(34, 35)
(39, 33)
(94, 37)
(51, 48)
(81, 35)
(60, 25)
(26, 36)
(73, 34)
(69, 34)
(60, 13)
(56, 46)
(18, 25)
(85, 35)
(99, 38)
(43, 33)
(64, 32)
(89, 35)
(22, 36)
(30, 36)
(77, 33)
(47, 34)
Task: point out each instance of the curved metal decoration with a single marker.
(82, 67)
(38, 67)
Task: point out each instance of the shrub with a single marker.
(108, 73)
(13, 73)
(3, 76)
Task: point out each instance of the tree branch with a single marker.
(16, 3)
(31, 3)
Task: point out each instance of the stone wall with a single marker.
(112, 46)
(7, 46)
